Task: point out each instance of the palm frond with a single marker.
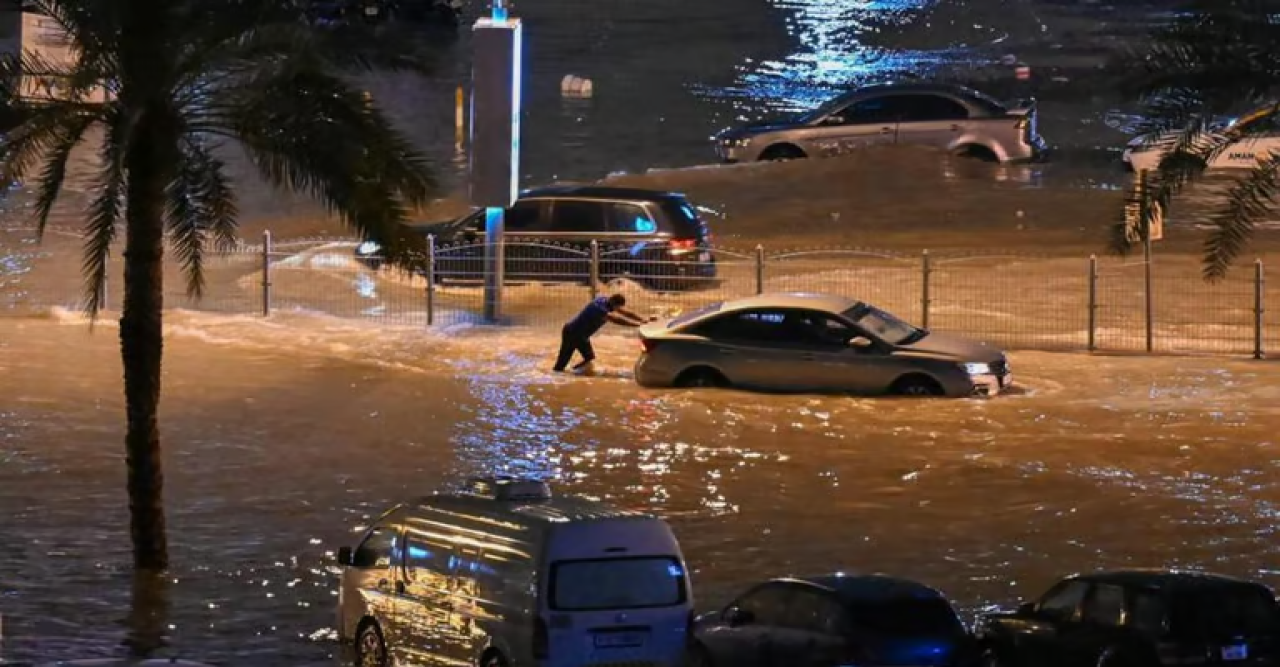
(201, 206)
(105, 211)
(49, 182)
(1251, 199)
(309, 131)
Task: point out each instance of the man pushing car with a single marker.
(576, 334)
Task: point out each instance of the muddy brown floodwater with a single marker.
(283, 435)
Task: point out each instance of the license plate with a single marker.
(1237, 652)
(370, 11)
(704, 257)
(619, 639)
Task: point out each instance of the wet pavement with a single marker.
(284, 435)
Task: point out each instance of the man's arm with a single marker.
(619, 318)
(634, 316)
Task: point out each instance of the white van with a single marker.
(505, 575)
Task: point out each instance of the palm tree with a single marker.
(1214, 58)
(181, 78)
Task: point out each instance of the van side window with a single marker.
(428, 562)
(525, 217)
(379, 549)
(573, 216)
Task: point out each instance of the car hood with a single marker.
(955, 347)
(761, 127)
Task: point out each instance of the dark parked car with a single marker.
(655, 238)
(1137, 618)
(831, 621)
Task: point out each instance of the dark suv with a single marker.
(652, 237)
(1137, 618)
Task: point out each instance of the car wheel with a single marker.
(916, 385)
(1121, 657)
(701, 377)
(493, 659)
(371, 650)
(698, 656)
(990, 658)
(782, 152)
(981, 153)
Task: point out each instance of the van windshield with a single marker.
(616, 583)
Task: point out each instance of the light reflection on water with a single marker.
(278, 449)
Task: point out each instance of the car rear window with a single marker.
(694, 314)
(685, 220)
(1225, 613)
(907, 617)
(616, 583)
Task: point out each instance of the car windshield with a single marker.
(906, 617)
(890, 329)
(822, 110)
(694, 314)
(617, 583)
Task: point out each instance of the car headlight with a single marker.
(368, 248)
(977, 369)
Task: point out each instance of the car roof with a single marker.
(557, 509)
(869, 587)
(832, 303)
(1173, 580)
(600, 192)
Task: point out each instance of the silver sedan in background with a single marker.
(814, 343)
(945, 116)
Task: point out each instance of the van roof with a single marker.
(549, 511)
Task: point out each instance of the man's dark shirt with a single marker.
(592, 318)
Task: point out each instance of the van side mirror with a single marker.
(344, 556)
(736, 616)
(860, 342)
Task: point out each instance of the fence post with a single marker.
(266, 273)
(1259, 307)
(926, 269)
(760, 268)
(431, 279)
(1093, 303)
(594, 272)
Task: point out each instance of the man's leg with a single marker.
(568, 343)
(583, 345)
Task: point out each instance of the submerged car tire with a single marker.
(976, 152)
(493, 658)
(698, 656)
(781, 152)
(916, 385)
(371, 649)
(701, 377)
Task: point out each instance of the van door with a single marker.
(429, 587)
(371, 588)
(616, 610)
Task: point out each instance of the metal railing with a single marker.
(1013, 300)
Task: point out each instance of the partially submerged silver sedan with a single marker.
(814, 343)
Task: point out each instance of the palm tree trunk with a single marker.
(147, 164)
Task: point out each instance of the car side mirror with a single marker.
(736, 616)
(860, 342)
(1027, 608)
(344, 556)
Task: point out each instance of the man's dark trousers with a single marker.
(572, 340)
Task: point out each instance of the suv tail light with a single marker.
(680, 246)
(648, 344)
(541, 641)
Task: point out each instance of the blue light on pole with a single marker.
(499, 10)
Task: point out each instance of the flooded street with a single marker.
(285, 434)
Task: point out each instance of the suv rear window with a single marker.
(1224, 613)
(685, 221)
(616, 583)
(906, 617)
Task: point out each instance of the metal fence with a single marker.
(1015, 300)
